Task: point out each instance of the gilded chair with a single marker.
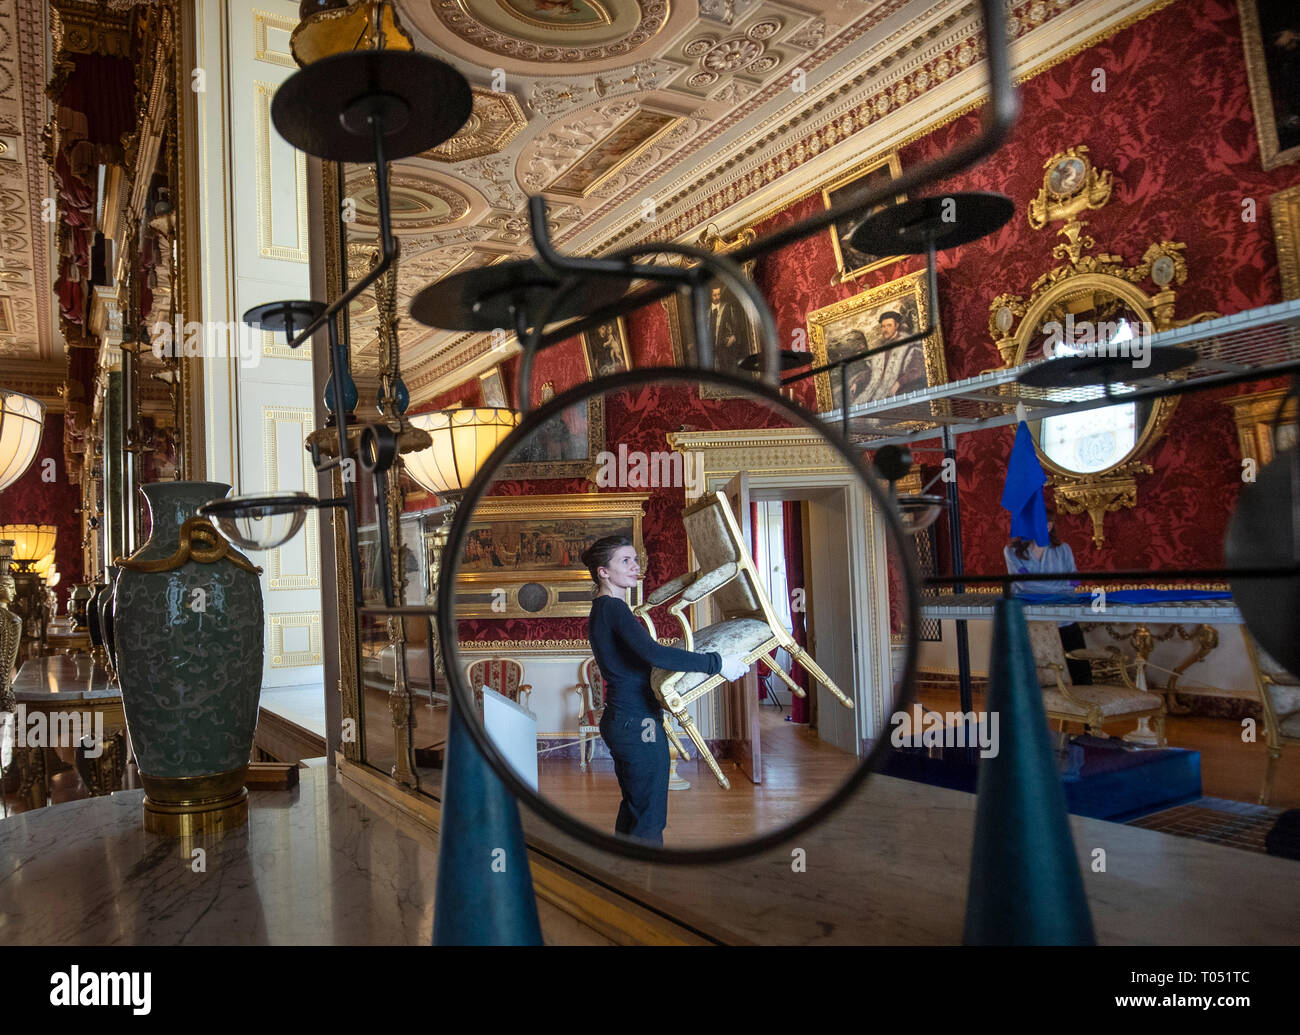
(1095, 705)
(504, 675)
(591, 704)
(748, 626)
(1279, 696)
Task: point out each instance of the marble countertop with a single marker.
(64, 678)
(314, 866)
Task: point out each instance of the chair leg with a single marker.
(582, 753)
(1266, 792)
(804, 659)
(672, 739)
(783, 675)
(688, 724)
(1161, 741)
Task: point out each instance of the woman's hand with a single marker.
(733, 667)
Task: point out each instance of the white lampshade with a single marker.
(22, 420)
(52, 577)
(31, 542)
(463, 439)
(43, 566)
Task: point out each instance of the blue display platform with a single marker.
(1104, 778)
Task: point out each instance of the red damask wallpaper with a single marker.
(1174, 125)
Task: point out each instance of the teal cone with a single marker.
(485, 888)
(1025, 883)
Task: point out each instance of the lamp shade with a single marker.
(43, 566)
(462, 441)
(31, 542)
(22, 420)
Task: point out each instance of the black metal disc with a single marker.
(951, 219)
(790, 360)
(487, 298)
(1080, 371)
(282, 317)
(1262, 535)
(323, 109)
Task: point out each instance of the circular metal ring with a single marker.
(377, 448)
(449, 636)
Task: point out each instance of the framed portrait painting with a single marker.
(891, 312)
(1270, 32)
(606, 348)
(566, 446)
(492, 389)
(735, 335)
(876, 173)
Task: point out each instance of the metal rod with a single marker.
(1136, 573)
(389, 245)
(958, 567)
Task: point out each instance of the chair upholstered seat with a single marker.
(1110, 700)
(743, 636)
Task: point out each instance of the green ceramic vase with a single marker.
(189, 643)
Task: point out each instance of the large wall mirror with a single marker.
(1092, 303)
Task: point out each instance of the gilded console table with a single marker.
(61, 693)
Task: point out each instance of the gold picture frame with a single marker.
(607, 353)
(1284, 208)
(1279, 143)
(538, 456)
(862, 322)
(516, 549)
(492, 389)
(867, 176)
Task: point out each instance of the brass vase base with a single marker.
(185, 806)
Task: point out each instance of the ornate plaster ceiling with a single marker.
(699, 112)
(31, 349)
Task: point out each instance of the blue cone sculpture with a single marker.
(485, 888)
(1025, 884)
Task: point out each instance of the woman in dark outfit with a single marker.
(632, 723)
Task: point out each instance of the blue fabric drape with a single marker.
(1023, 492)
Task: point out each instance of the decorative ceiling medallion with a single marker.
(558, 14)
(713, 57)
(553, 30)
(496, 119)
(612, 153)
(417, 202)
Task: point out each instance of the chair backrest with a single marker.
(715, 537)
(1279, 690)
(591, 675)
(503, 675)
(1045, 642)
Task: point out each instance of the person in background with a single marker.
(1025, 557)
(632, 723)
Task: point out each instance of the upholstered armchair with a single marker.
(591, 704)
(504, 675)
(1098, 704)
(748, 624)
(1279, 695)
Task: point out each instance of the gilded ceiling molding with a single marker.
(457, 18)
(495, 120)
(797, 154)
